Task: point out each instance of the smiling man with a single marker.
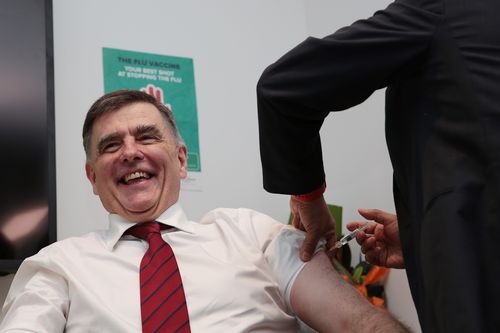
(154, 270)
(135, 160)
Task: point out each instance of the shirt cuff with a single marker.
(307, 197)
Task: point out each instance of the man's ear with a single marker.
(182, 156)
(89, 170)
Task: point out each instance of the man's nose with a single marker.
(131, 151)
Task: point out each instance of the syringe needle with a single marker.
(347, 238)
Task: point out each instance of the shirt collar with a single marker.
(174, 216)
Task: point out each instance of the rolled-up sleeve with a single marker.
(279, 244)
(282, 254)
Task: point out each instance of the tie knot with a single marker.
(144, 230)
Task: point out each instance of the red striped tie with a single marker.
(163, 303)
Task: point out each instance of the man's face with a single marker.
(134, 164)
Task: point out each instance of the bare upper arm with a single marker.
(323, 300)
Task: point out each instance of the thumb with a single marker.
(296, 221)
(308, 246)
(376, 215)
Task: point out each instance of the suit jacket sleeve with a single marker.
(296, 93)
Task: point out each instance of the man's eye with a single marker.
(110, 147)
(147, 138)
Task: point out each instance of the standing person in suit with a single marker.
(440, 63)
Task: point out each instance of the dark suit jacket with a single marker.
(440, 62)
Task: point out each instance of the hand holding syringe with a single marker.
(344, 240)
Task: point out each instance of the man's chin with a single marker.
(140, 213)
(137, 211)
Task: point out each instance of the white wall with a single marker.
(231, 42)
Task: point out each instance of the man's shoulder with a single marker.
(236, 215)
(72, 244)
(247, 223)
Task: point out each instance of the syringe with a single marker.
(344, 240)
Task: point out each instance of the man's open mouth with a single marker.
(135, 176)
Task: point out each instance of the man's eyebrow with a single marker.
(106, 139)
(139, 130)
(148, 129)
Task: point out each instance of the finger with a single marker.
(369, 214)
(353, 225)
(369, 244)
(377, 215)
(308, 246)
(330, 240)
(159, 96)
(361, 237)
(370, 229)
(298, 225)
(378, 233)
(331, 252)
(296, 221)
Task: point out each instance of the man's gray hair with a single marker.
(116, 100)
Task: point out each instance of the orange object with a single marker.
(376, 274)
(377, 301)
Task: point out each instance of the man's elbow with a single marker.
(262, 84)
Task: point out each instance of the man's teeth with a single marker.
(135, 175)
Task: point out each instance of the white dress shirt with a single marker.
(237, 267)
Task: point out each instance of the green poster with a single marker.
(170, 79)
